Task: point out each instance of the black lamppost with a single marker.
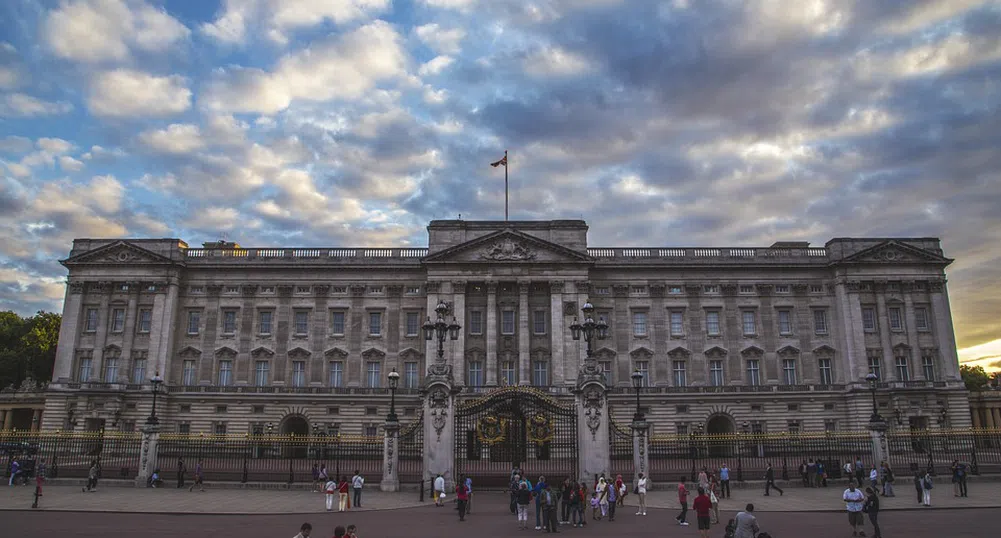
(873, 380)
(156, 381)
(394, 380)
(589, 328)
(638, 384)
(441, 328)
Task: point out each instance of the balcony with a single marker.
(709, 256)
(280, 256)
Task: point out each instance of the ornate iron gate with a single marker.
(411, 455)
(515, 426)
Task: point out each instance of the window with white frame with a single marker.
(900, 361)
(819, 321)
(793, 426)
(712, 322)
(509, 374)
(606, 369)
(371, 430)
(826, 371)
(413, 290)
(539, 322)
(188, 373)
(675, 290)
(413, 324)
(476, 322)
(921, 318)
(540, 373)
(145, 321)
(716, 377)
(639, 323)
(747, 319)
(637, 290)
(677, 323)
(85, 369)
(928, 366)
(375, 323)
(411, 377)
(373, 374)
(301, 322)
(262, 372)
(816, 288)
(475, 374)
(710, 289)
(139, 372)
(194, 321)
(830, 425)
(118, 320)
(336, 374)
(785, 322)
(896, 320)
(337, 322)
(225, 373)
(789, 371)
(868, 319)
(746, 289)
(643, 367)
(90, 321)
(753, 372)
(680, 376)
(111, 370)
(782, 288)
(507, 322)
(298, 373)
(874, 358)
(229, 321)
(264, 321)
(601, 290)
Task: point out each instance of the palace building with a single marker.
(762, 339)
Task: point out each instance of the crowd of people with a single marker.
(350, 531)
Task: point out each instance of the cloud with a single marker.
(176, 138)
(125, 93)
(461, 5)
(441, 40)
(436, 65)
(107, 30)
(25, 106)
(550, 61)
(278, 18)
(70, 164)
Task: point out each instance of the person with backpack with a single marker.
(926, 487)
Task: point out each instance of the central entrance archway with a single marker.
(720, 425)
(298, 426)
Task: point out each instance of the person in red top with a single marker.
(342, 494)
(462, 496)
(683, 501)
(703, 505)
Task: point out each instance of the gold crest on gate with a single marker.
(490, 430)
(540, 429)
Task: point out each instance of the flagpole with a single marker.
(507, 164)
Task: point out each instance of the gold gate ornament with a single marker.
(540, 429)
(490, 430)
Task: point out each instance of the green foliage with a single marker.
(27, 347)
(975, 377)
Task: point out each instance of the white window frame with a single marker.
(785, 325)
(821, 323)
(679, 373)
(717, 373)
(789, 365)
(896, 317)
(300, 322)
(825, 368)
(194, 322)
(476, 322)
(411, 375)
(753, 372)
(262, 373)
(414, 330)
(928, 366)
(225, 373)
(111, 370)
(145, 323)
(508, 322)
(640, 327)
(921, 320)
(375, 323)
(117, 320)
(677, 321)
(608, 369)
(91, 320)
(539, 324)
(901, 367)
(643, 367)
(298, 374)
(749, 322)
(85, 369)
(226, 327)
(265, 328)
(338, 322)
(189, 373)
(713, 319)
(540, 373)
(139, 372)
(474, 373)
(869, 323)
(373, 374)
(509, 372)
(335, 374)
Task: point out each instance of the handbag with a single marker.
(636, 490)
(712, 497)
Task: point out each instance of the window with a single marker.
(681, 409)
(261, 371)
(896, 324)
(638, 290)
(785, 322)
(413, 290)
(145, 320)
(337, 323)
(232, 290)
(265, 322)
(301, 322)
(410, 376)
(508, 373)
(677, 323)
(782, 288)
(371, 430)
(746, 289)
(682, 428)
(507, 322)
(476, 322)
(375, 323)
(873, 357)
(753, 372)
(928, 366)
(868, 319)
(139, 372)
(225, 373)
(371, 411)
(220, 428)
(792, 407)
(921, 318)
(475, 374)
(540, 373)
(675, 290)
(90, 322)
(716, 373)
(639, 323)
(302, 290)
(757, 427)
(188, 372)
(820, 321)
(816, 288)
(900, 361)
(830, 425)
(184, 428)
(194, 321)
(794, 426)
(747, 322)
(643, 367)
(789, 371)
(539, 322)
(606, 369)
(680, 379)
(118, 320)
(111, 370)
(220, 409)
(601, 290)
(712, 323)
(413, 324)
(336, 373)
(298, 373)
(228, 321)
(373, 374)
(826, 372)
(710, 289)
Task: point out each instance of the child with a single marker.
(595, 506)
(351, 532)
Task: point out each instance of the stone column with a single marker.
(161, 336)
(911, 324)
(562, 372)
(524, 351)
(36, 420)
(888, 366)
(976, 417)
(4, 415)
(390, 457)
(592, 423)
(997, 416)
(147, 453)
(989, 415)
(880, 449)
(490, 333)
(458, 347)
(439, 424)
(853, 342)
(69, 331)
(944, 334)
(641, 459)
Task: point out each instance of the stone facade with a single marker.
(777, 337)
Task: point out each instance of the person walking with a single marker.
(199, 477)
(552, 509)
(683, 501)
(873, 478)
(926, 486)
(713, 488)
(871, 508)
(641, 494)
(540, 487)
(612, 497)
(859, 471)
(513, 488)
(330, 490)
(770, 481)
(15, 469)
(461, 496)
(811, 474)
(581, 504)
(342, 494)
(40, 476)
(724, 481)
(602, 491)
(620, 490)
(854, 500)
(522, 497)
(92, 477)
(469, 495)
(181, 469)
(888, 479)
(439, 490)
(746, 523)
(703, 508)
(703, 479)
(323, 477)
(316, 477)
(357, 483)
(566, 501)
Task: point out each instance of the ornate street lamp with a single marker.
(394, 380)
(638, 384)
(589, 328)
(156, 381)
(873, 380)
(440, 329)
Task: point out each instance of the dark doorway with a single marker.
(720, 425)
(298, 427)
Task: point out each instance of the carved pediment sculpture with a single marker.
(507, 250)
(752, 351)
(679, 353)
(225, 352)
(189, 352)
(373, 354)
(787, 351)
(824, 351)
(299, 352)
(716, 352)
(262, 352)
(335, 353)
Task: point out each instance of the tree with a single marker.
(975, 377)
(27, 347)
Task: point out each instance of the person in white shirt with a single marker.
(439, 491)
(854, 500)
(330, 491)
(304, 531)
(873, 477)
(357, 482)
(641, 494)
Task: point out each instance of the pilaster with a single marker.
(524, 371)
(147, 453)
(641, 457)
(592, 420)
(490, 332)
(852, 343)
(880, 448)
(161, 338)
(390, 457)
(945, 336)
(887, 366)
(439, 424)
(557, 335)
(69, 332)
(459, 311)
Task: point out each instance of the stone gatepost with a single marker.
(147, 453)
(439, 424)
(391, 457)
(880, 448)
(641, 457)
(592, 422)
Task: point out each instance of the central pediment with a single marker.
(508, 246)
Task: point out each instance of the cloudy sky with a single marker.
(354, 122)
